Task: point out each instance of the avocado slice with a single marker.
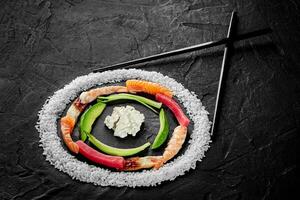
(163, 132)
(88, 118)
(116, 151)
(142, 100)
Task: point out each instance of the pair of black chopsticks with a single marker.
(228, 41)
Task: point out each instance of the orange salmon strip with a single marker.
(147, 87)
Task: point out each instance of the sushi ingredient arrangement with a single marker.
(81, 168)
(124, 121)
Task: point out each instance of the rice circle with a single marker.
(62, 160)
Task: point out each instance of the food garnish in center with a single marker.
(124, 121)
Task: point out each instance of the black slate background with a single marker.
(46, 44)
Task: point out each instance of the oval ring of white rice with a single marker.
(64, 161)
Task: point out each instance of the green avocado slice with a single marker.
(88, 118)
(142, 100)
(163, 132)
(86, 122)
(116, 151)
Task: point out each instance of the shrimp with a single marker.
(136, 163)
(91, 95)
(67, 124)
(147, 87)
(174, 145)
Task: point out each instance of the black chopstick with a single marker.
(185, 50)
(230, 36)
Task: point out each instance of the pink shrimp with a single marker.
(67, 124)
(174, 145)
(91, 95)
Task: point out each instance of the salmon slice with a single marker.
(147, 87)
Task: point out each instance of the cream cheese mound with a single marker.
(124, 121)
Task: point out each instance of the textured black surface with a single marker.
(46, 44)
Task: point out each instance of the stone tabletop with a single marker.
(46, 44)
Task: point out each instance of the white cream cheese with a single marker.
(124, 121)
